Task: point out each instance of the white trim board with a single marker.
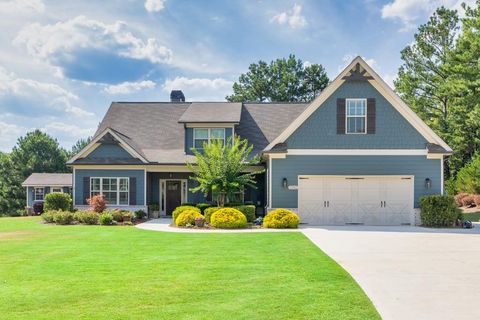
(357, 152)
(378, 84)
(184, 193)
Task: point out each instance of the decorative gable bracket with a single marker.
(357, 73)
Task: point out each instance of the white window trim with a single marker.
(35, 193)
(208, 136)
(118, 189)
(163, 193)
(51, 189)
(355, 116)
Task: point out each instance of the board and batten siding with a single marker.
(293, 166)
(109, 151)
(139, 176)
(392, 130)
(189, 138)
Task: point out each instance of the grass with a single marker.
(473, 216)
(95, 272)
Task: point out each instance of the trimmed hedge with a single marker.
(228, 218)
(248, 211)
(63, 217)
(57, 201)
(180, 209)
(86, 217)
(209, 211)
(203, 206)
(438, 211)
(187, 217)
(281, 219)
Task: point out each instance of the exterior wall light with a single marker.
(285, 183)
(428, 183)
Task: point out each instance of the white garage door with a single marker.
(369, 200)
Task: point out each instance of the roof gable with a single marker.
(359, 70)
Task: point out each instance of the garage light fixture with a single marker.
(285, 183)
(428, 183)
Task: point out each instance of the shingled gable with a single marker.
(359, 70)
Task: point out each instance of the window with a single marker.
(356, 116)
(115, 190)
(39, 192)
(55, 189)
(205, 135)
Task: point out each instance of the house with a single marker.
(357, 154)
(38, 185)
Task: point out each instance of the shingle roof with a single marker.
(435, 148)
(153, 129)
(224, 112)
(49, 179)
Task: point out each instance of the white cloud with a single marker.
(293, 18)
(349, 57)
(154, 5)
(63, 38)
(22, 7)
(35, 94)
(129, 87)
(9, 133)
(200, 88)
(56, 128)
(410, 12)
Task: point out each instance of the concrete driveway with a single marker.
(409, 272)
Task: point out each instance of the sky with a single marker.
(63, 62)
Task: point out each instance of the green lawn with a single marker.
(95, 272)
(474, 216)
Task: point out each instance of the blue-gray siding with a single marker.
(319, 131)
(293, 166)
(189, 138)
(31, 193)
(81, 173)
(109, 151)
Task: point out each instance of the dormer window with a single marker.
(356, 116)
(205, 135)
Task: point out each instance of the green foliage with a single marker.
(48, 216)
(191, 204)
(282, 80)
(116, 214)
(57, 201)
(468, 178)
(140, 214)
(209, 211)
(63, 217)
(180, 209)
(228, 218)
(203, 206)
(222, 168)
(248, 211)
(105, 219)
(127, 216)
(79, 145)
(281, 219)
(86, 217)
(438, 211)
(187, 217)
(154, 207)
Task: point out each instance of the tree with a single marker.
(222, 169)
(79, 145)
(286, 80)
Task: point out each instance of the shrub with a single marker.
(190, 204)
(438, 211)
(140, 214)
(16, 213)
(209, 211)
(228, 218)
(117, 214)
(180, 209)
(187, 217)
(233, 204)
(468, 178)
(128, 223)
(105, 219)
(47, 216)
(154, 207)
(127, 216)
(458, 198)
(248, 211)
(203, 206)
(280, 219)
(476, 199)
(97, 203)
(63, 217)
(57, 201)
(468, 201)
(86, 217)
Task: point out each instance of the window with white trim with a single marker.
(39, 193)
(356, 116)
(206, 135)
(56, 189)
(115, 190)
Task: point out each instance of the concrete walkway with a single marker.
(409, 272)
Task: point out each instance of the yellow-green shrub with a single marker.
(187, 217)
(209, 211)
(180, 209)
(228, 218)
(248, 211)
(86, 217)
(281, 219)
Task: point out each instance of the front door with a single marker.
(173, 195)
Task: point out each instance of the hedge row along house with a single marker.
(357, 154)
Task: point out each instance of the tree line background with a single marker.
(439, 78)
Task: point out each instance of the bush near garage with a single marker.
(209, 211)
(187, 217)
(228, 218)
(57, 201)
(281, 219)
(180, 209)
(439, 211)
